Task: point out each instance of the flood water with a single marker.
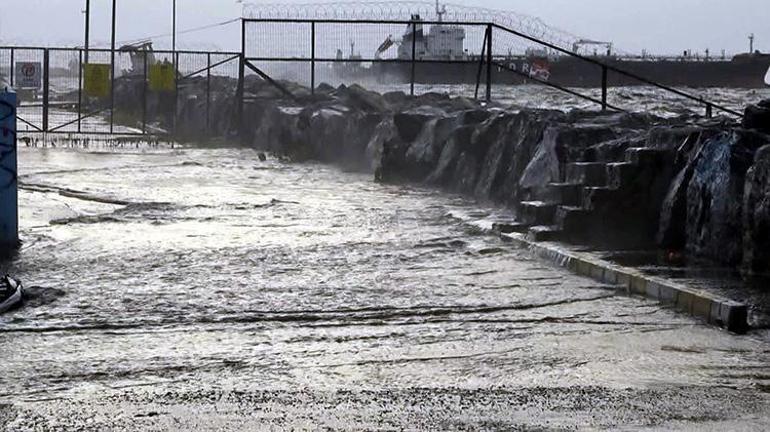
(201, 289)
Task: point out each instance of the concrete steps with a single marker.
(536, 212)
(588, 196)
(572, 219)
(620, 174)
(587, 173)
(597, 198)
(570, 194)
(544, 233)
(646, 156)
(510, 227)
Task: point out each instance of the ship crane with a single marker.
(583, 42)
(389, 42)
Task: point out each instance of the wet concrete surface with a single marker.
(192, 289)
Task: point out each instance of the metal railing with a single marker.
(709, 106)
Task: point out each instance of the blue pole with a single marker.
(9, 201)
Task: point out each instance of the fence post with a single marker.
(240, 92)
(604, 88)
(208, 94)
(12, 66)
(312, 58)
(112, 91)
(240, 95)
(145, 89)
(489, 64)
(482, 60)
(414, 57)
(46, 87)
(80, 90)
(9, 202)
(112, 64)
(176, 95)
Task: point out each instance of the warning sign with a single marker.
(96, 80)
(162, 77)
(29, 75)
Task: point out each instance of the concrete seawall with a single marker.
(694, 188)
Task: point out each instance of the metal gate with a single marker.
(129, 92)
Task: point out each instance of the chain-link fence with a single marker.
(472, 59)
(410, 56)
(138, 91)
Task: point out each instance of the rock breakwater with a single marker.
(693, 187)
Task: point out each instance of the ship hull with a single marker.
(746, 72)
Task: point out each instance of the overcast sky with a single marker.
(660, 26)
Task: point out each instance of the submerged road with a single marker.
(189, 289)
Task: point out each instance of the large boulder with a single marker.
(358, 97)
(756, 215)
(326, 131)
(404, 154)
(758, 116)
(673, 213)
(714, 228)
(545, 166)
(525, 135)
(496, 161)
(443, 173)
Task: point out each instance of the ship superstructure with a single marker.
(440, 41)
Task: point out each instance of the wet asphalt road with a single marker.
(204, 290)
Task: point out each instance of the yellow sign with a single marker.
(96, 80)
(162, 77)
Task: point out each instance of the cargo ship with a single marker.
(444, 59)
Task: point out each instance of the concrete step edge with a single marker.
(715, 310)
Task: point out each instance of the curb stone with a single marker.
(721, 312)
